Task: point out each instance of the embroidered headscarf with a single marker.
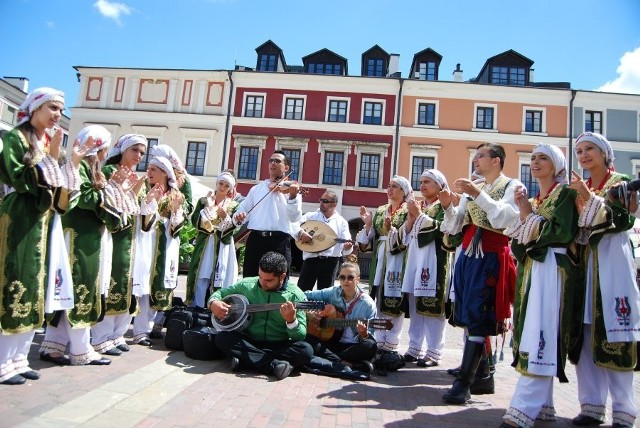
(125, 142)
(436, 176)
(101, 138)
(225, 176)
(167, 152)
(558, 159)
(165, 165)
(404, 185)
(35, 99)
(600, 141)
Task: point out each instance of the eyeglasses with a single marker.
(346, 277)
(275, 161)
(326, 201)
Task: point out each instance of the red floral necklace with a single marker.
(538, 201)
(602, 183)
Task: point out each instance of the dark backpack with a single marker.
(200, 344)
(181, 319)
(388, 361)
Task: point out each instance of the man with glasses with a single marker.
(323, 266)
(270, 210)
(484, 273)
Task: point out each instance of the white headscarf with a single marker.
(225, 176)
(167, 152)
(165, 165)
(558, 159)
(436, 176)
(35, 99)
(600, 141)
(125, 142)
(101, 138)
(404, 185)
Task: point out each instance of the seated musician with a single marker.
(350, 354)
(273, 341)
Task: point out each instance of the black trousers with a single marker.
(323, 270)
(258, 354)
(260, 242)
(338, 351)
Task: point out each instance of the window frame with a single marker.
(416, 184)
(591, 113)
(524, 160)
(241, 140)
(245, 102)
(425, 75)
(543, 120)
(337, 100)
(198, 141)
(373, 102)
(294, 144)
(375, 67)
(268, 56)
(341, 146)
(423, 151)
(147, 156)
(494, 108)
(294, 97)
(420, 102)
(239, 169)
(509, 71)
(370, 148)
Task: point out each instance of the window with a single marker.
(593, 121)
(248, 165)
(294, 161)
(369, 170)
(8, 114)
(65, 140)
(196, 152)
(144, 163)
(533, 121)
(418, 165)
(484, 118)
(427, 71)
(372, 113)
(337, 111)
(514, 76)
(293, 108)
(267, 62)
(253, 106)
(375, 67)
(426, 114)
(527, 179)
(319, 68)
(333, 163)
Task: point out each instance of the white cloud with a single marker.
(628, 80)
(112, 10)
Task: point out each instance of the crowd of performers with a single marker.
(86, 244)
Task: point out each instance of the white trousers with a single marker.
(388, 340)
(595, 383)
(532, 399)
(202, 285)
(109, 332)
(57, 338)
(14, 349)
(143, 321)
(426, 334)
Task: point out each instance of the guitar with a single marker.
(330, 328)
(323, 237)
(239, 316)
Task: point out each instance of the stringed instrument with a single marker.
(330, 328)
(239, 316)
(323, 237)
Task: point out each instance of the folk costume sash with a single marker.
(59, 295)
(106, 256)
(172, 257)
(142, 260)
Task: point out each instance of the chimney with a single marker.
(394, 61)
(531, 76)
(457, 74)
(21, 83)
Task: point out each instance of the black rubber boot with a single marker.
(483, 380)
(459, 392)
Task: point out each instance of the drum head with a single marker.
(237, 319)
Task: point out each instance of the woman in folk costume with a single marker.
(426, 272)
(84, 231)
(157, 254)
(382, 229)
(182, 178)
(107, 336)
(35, 186)
(213, 264)
(546, 324)
(611, 309)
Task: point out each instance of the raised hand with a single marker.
(55, 143)
(156, 193)
(578, 184)
(366, 217)
(80, 151)
(413, 208)
(521, 200)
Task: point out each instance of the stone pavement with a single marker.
(155, 387)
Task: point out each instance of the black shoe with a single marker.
(586, 421)
(348, 373)
(30, 374)
(123, 347)
(100, 362)
(62, 360)
(408, 358)
(156, 335)
(281, 369)
(482, 385)
(14, 380)
(234, 364)
(365, 366)
(426, 363)
(114, 352)
(144, 342)
(454, 372)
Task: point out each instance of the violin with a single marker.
(284, 186)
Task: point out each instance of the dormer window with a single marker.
(427, 70)
(319, 68)
(375, 67)
(514, 76)
(267, 62)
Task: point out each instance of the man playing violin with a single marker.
(273, 341)
(322, 267)
(270, 214)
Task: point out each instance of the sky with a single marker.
(593, 44)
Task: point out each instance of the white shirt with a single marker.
(339, 225)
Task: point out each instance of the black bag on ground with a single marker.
(200, 344)
(388, 361)
(181, 319)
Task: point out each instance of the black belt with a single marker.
(267, 233)
(324, 258)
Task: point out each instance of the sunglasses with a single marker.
(275, 160)
(326, 201)
(346, 277)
